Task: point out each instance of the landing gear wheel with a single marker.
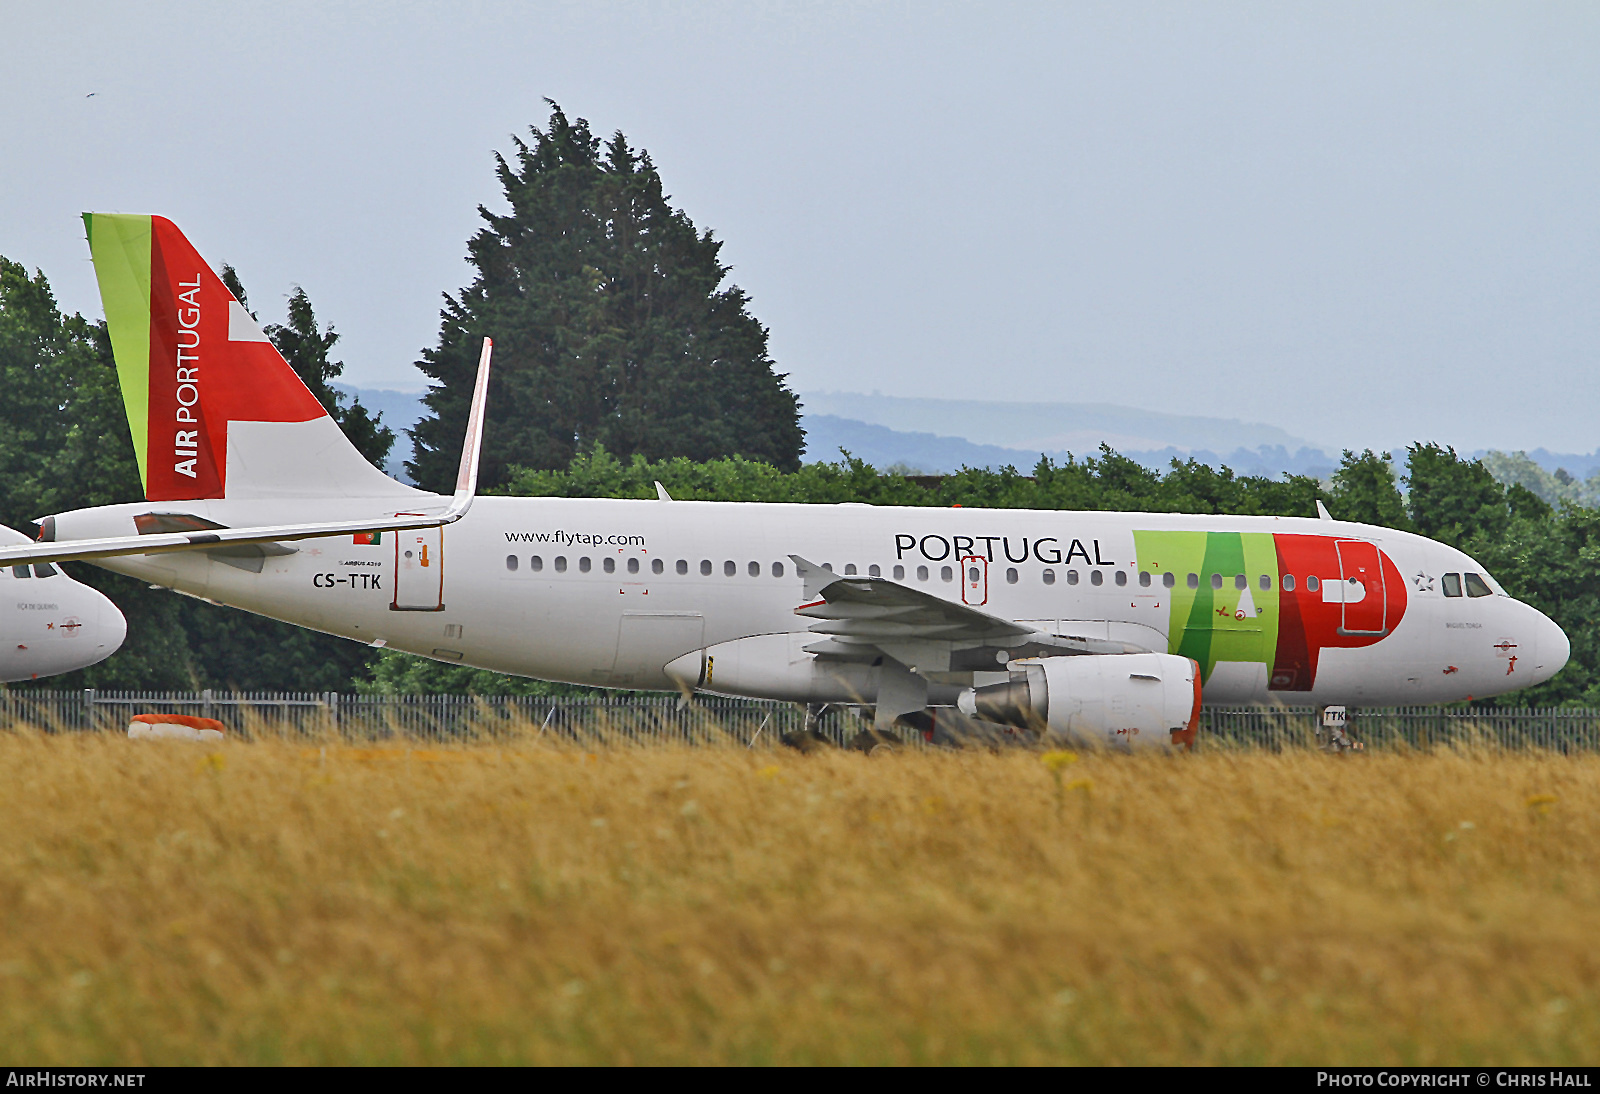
(876, 742)
(805, 740)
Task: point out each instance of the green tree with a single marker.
(611, 322)
(1364, 489)
(1452, 499)
(64, 444)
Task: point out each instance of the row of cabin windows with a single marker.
(657, 566)
(43, 569)
(1453, 583)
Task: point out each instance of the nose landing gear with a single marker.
(1334, 731)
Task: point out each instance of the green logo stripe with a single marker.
(1207, 623)
(120, 246)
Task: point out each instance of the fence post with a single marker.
(205, 703)
(88, 708)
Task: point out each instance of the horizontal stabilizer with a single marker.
(209, 539)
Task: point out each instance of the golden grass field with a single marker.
(173, 903)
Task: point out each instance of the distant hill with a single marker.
(937, 436)
(1053, 427)
(931, 453)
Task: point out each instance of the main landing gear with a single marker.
(872, 741)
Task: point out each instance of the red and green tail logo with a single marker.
(190, 359)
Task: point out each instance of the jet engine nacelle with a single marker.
(1130, 700)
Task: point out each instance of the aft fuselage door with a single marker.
(975, 580)
(419, 570)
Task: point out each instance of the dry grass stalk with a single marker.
(521, 900)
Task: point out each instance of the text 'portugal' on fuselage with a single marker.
(1107, 625)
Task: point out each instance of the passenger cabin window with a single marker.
(946, 574)
(1288, 583)
(1266, 582)
(1216, 581)
(1312, 583)
(1168, 579)
(610, 565)
(1011, 576)
(972, 574)
(1122, 578)
(1144, 579)
(657, 565)
(754, 569)
(1240, 581)
(1049, 577)
(561, 564)
(683, 566)
(633, 565)
(1476, 586)
(705, 567)
(729, 568)
(1194, 581)
(922, 573)
(1096, 577)
(1072, 577)
(511, 563)
(874, 570)
(849, 569)
(535, 563)
(899, 573)
(584, 564)
(777, 569)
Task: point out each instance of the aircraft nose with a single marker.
(113, 628)
(1552, 648)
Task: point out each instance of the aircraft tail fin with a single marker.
(214, 409)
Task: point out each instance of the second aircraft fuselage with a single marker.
(607, 592)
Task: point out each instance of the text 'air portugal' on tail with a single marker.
(215, 410)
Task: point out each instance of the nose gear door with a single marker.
(419, 571)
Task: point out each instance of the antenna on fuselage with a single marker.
(1322, 511)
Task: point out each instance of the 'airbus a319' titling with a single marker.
(1108, 627)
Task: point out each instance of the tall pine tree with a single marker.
(611, 324)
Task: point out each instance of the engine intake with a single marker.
(1134, 700)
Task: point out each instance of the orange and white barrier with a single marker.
(175, 727)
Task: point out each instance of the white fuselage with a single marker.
(608, 592)
(49, 623)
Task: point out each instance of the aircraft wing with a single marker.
(161, 542)
(856, 615)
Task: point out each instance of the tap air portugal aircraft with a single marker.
(1106, 627)
(49, 623)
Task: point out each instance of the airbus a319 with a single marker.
(1108, 627)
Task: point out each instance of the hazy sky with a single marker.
(1365, 223)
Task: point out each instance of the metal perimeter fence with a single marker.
(713, 720)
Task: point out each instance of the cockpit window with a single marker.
(21, 571)
(44, 569)
(1476, 586)
(1452, 584)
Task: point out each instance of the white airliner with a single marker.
(1101, 626)
(49, 623)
